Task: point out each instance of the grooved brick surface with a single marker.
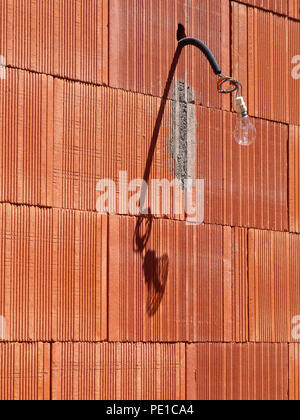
(294, 9)
(53, 274)
(107, 371)
(236, 307)
(143, 43)
(81, 129)
(25, 371)
(274, 269)
(294, 70)
(264, 29)
(114, 306)
(26, 252)
(101, 132)
(294, 178)
(283, 7)
(79, 276)
(68, 38)
(267, 52)
(157, 293)
(243, 186)
(294, 371)
(26, 129)
(237, 371)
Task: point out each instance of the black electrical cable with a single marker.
(206, 51)
(235, 85)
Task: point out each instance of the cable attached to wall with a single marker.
(245, 132)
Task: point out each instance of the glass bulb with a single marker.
(245, 132)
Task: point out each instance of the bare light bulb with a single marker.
(245, 132)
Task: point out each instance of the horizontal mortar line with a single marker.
(290, 343)
(93, 84)
(144, 216)
(39, 206)
(264, 9)
(149, 95)
(83, 82)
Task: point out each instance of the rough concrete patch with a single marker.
(182, 147)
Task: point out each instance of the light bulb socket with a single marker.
(241, 107)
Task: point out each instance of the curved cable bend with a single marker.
(235, 84)
(206, 51)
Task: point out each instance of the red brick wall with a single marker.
(83, 91)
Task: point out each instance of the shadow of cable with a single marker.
(156, 269)
(159, 122)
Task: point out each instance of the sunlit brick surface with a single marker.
(274, 269)
(294, 177)
(266, 46)
(144, 43)
(283, 7)
(52, 274)
(157, 295)
(114, 306)
(135, 371)
(237, 371)
(294, 371)
(68, 38)
(25, 371)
